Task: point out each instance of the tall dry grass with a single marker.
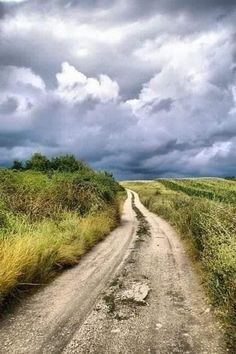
(34, 256)
(47, 222)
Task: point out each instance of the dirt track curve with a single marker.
(135, 292)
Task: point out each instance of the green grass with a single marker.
(221, 191)
(48, 221)
(200, 211)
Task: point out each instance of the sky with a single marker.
(141, 88)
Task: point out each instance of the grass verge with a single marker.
(47, 222)
(35, 256)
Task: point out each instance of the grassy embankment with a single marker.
(49, 220)
(203, 211)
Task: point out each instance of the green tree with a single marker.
(67, 163)
(38, 162)
(17, 165)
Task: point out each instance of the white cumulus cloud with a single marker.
(74, 86)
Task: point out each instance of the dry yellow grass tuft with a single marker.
(34, 256)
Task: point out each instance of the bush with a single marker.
(17, 165)
(67, 163)
(63, 163)
(37, 195)
(38, 162)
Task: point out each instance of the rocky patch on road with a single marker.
(122, 301)
(129, 289)
(137, 293)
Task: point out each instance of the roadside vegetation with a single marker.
(51, 213)
(203, 211)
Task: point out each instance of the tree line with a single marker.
(40, 162)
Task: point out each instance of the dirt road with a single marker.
(135, 292)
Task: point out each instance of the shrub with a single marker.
(62, 163)
(38, 162)
(67, 163)
(17, 165)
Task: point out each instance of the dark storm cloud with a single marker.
(135, 8)
(2, 10)
(164, 104)
(173, 61)
(8, 106)
(190, 5)
(11, 139)
(139, 8)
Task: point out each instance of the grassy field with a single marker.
(203, 211)
(48, 220)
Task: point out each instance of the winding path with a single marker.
(86, 309)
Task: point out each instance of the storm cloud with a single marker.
(140, 88)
